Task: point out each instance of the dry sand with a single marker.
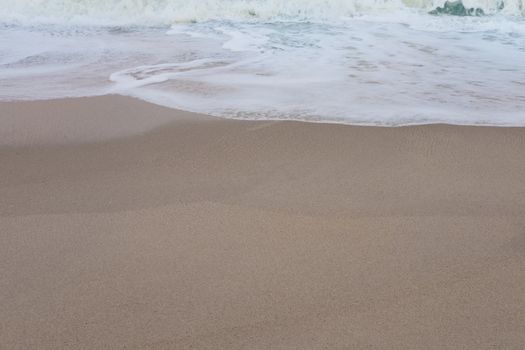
(218, 234)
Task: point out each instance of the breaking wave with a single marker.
(167, 12)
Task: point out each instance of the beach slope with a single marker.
(125, 225)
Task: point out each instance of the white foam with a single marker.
(366, 73)
(388, 66)
(162, 12)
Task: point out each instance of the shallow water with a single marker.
(389, 65)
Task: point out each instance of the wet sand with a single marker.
(125, 225)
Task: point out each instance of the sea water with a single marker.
(367, 62)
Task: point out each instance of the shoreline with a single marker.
(162, 115)
(60, 122)
(185, 231)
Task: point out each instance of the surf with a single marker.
(357, 62)
(168, 12)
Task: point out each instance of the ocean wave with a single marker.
(167, 12)
(393, 64)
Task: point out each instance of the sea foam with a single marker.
(361, 62)
(162, 12)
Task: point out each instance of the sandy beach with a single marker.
(125, 225)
